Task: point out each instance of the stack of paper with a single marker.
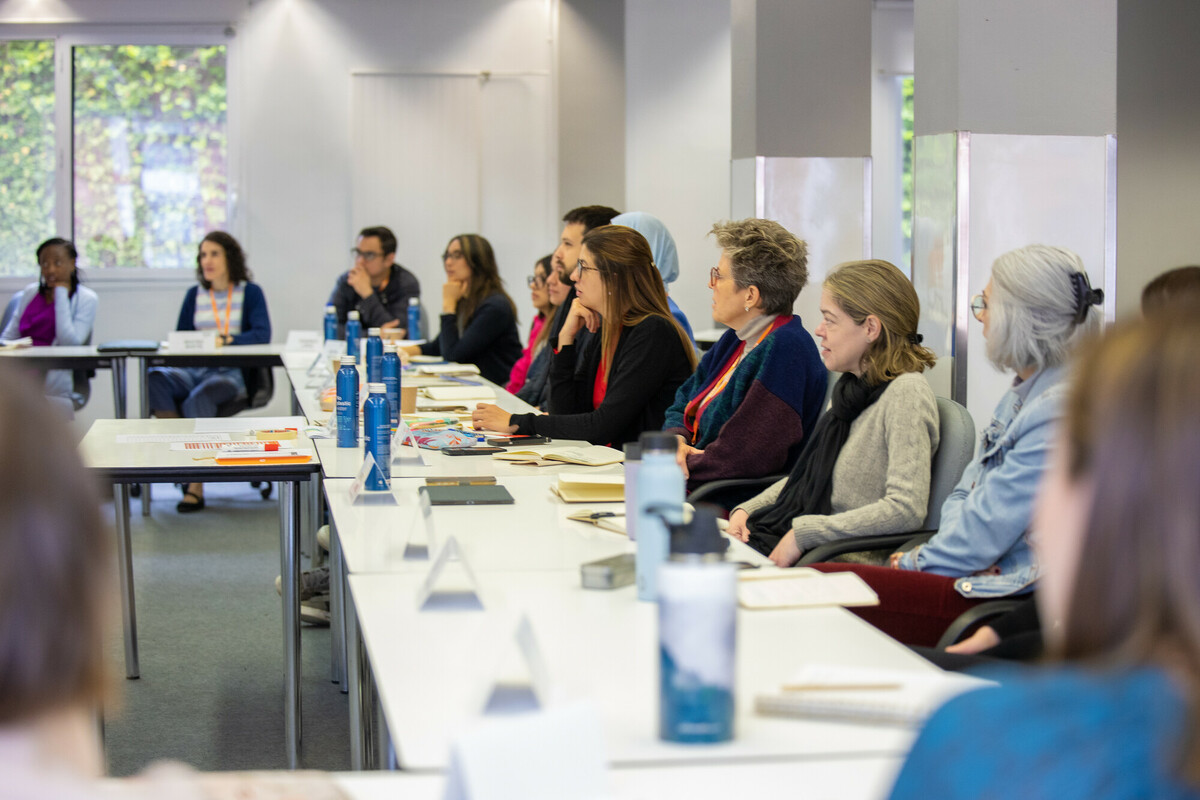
(802, 587)
(596, 455)
(582, 487)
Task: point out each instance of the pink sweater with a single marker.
(516, 378)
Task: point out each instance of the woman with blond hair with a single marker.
(865, 468)
(624, 381)
(1115, 534)
(1037, 307)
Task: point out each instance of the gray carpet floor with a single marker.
(211, 645)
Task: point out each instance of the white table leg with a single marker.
(125, 569)
(337, 611)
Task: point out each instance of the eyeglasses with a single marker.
(446, 256)
(715, 275)
(978, 306)
(535, 281)
(583, 267)
(364, 255)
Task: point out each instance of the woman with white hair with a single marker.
(1037, 306)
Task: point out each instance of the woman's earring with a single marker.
(747, 308)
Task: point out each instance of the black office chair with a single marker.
(260, 387)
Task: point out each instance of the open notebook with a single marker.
(865, 694)
(596, 455)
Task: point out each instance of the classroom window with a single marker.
(27, 186)
(149, 172)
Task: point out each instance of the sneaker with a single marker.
(312, 583)
(315, 613)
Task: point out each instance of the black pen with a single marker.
(602, 514)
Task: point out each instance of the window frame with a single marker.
(66, 38)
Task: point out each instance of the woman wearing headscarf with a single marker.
(666, 257)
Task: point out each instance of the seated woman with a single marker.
(624, 381)
(56, 310)
(865, 468)
(1117, 552)
(540, 294)
(57, 596)
(1037, 306)
(536, 390)
(666, 257)
(746, 409)
(479, 319)
(227, 302)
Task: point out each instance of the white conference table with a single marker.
(433, 668)
(124, 463)
(71, 357)
(859, 778)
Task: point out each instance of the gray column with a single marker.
(591, 103)
(1015, 116)
(801, 122)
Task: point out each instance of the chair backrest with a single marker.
(956, 447)
(9, 310)
(260, 386)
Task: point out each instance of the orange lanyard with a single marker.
(718, 386)
(228, 305)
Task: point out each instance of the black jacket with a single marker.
(490, 340)
(380, 306)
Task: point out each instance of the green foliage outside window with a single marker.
(26, 152)
(906, 200)
(150, 146)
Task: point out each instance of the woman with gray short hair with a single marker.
(1038, 305)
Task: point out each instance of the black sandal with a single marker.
(184, 507)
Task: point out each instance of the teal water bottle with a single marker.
(389, 366)
(353, 333)
(377, 437)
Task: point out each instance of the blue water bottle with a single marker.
(347, 403)
(389, 366)
(377, 437)
(374, 355)
(659, 484)
(414, 319)
(353, 333)
(697, 634)
(331, 322)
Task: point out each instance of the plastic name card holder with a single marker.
(191, 341)
(305, 341)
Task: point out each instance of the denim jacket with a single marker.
(983, 539)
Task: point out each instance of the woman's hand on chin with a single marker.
(787, 552)
(579, 316)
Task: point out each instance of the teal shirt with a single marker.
(1063, 734)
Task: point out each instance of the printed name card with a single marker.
(191, 341)
(535, 690)
(358, 490)
(458, 592)
(555, 754)
(304, 340)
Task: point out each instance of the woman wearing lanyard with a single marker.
(865, 467)
(757, 393)
(227, 302)
(624, 379)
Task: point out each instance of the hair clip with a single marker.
(1085, 295)
(915, 338)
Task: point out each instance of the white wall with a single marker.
(678, 124)
(290, 87)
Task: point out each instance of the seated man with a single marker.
(376, 286)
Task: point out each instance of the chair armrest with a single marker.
(974, 616)
(699, 494)
(857, 544)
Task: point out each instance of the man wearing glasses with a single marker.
(376, 286)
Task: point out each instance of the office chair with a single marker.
(956, 446)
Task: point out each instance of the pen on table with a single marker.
(602, 514)
(838, 687)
